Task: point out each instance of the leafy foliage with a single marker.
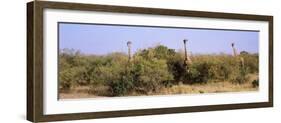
(150, 74)
(255, 83)
(150, 70)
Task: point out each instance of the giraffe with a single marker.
(234, 50)
(187, 59)
(129, 43)
(241, 59)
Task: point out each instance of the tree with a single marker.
(150, 74)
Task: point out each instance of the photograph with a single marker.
(110, 60)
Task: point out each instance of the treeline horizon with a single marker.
(72, 50)
(150, 69)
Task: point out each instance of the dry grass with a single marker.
(85, 92)
(215, 87)
(210, 87)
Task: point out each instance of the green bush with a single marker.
(197, 73)
(150, 69)
(122, 85)
(65, 79)
(255, 83)
(108, 70)
(251, 62)
(149, 75)
(176, 67)
(215, 68)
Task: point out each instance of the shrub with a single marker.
(197, 73)
(122, 85)
(65, 80)
(108, 71)
(240, 79)
(205, 68)
(172, 59)
(215, 68)
(176, 67)
(150, 74)
(251, 62)
(158, 52)
(70, 77)
(255, 83)
(150, 70)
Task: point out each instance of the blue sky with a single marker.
(104, 39)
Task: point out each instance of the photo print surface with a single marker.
(106, 60)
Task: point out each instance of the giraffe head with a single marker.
(184, 41)
(129, 43)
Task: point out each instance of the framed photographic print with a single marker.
(96, 61)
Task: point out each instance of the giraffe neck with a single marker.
(234, 52)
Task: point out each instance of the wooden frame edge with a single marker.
(271, 54)
(30, 88)
(35, 60)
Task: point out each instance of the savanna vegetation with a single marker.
(156, 70)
